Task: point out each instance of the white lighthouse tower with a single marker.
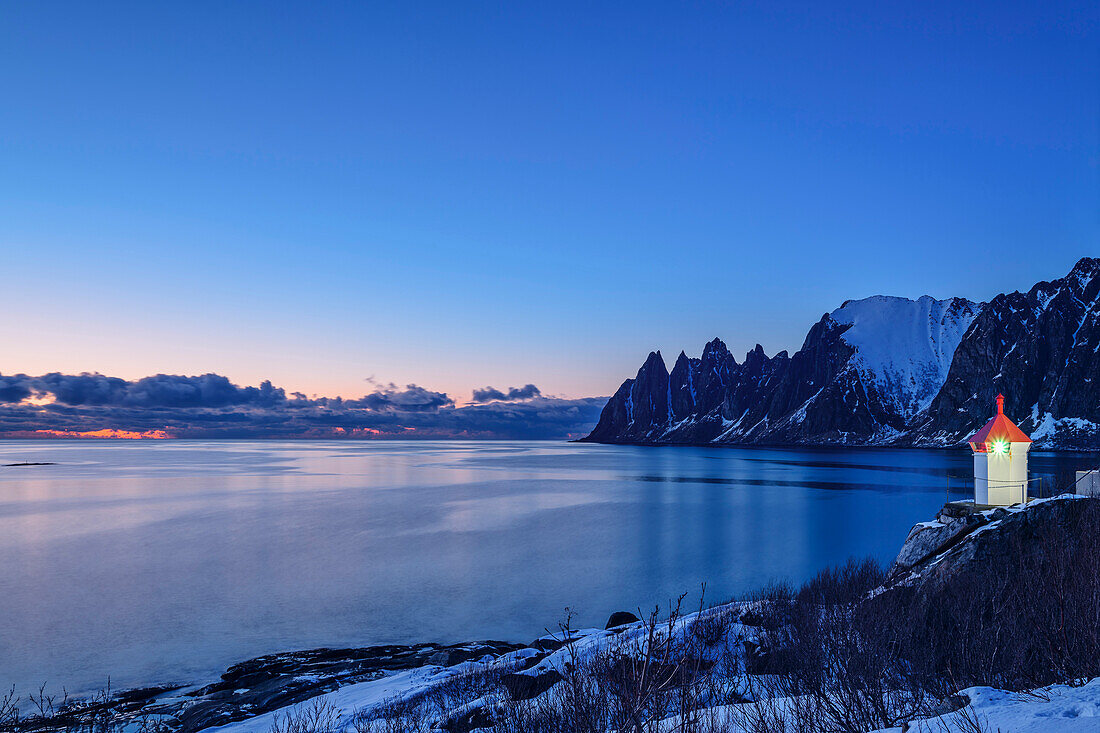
(1000, 460)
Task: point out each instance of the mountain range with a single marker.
(887, 371)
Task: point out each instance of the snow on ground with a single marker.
(1055, 709)
(361, 696)
(407, 684)
(904, 346)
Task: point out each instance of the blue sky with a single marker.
(471, 194)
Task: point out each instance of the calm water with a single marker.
(167, 562)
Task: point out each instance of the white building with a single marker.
(1000, 461)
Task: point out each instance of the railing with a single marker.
(1044, 486)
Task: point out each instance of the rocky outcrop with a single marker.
(964, 543)
(278, 680)
(529, 686)
(927, 539)
(887, 371)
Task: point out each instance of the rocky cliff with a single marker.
(1039, 349)
(887, 371)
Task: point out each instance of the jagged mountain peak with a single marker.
(1086, 269)
(653, 361)
(715, 350)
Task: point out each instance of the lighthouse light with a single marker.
(1000, 447)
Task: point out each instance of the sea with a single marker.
(165, 562)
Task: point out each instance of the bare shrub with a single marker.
(845, 659)
(318, 715)
(633, 685)
(1030, 621)
(711, 627)
(832, 658)
(770, 607)
(769, 711)
(396, 715)
(965, 720)
(9, 710)
(843, 585)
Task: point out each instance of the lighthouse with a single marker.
(1000, 460)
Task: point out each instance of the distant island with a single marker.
(887, 371)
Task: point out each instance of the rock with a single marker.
(756, 659)
(930, 538)
(621, 618)
(950, 704)
(547, 644)
(1005, 539)
(633, 414)
(469, 717)
(522, 686)
(822, 394)
(278, 680)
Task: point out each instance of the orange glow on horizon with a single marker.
(109, 433)
(356, 432)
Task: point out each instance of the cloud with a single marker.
(211, 406)
(14, 388)
(413, 398)
(159, 390)
(514, 394)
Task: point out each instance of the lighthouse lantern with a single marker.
(1000, 460)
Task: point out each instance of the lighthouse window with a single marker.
(1000, 447)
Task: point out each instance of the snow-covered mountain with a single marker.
(904, 347)
(886, 370)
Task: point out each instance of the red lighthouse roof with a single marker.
(999, 429)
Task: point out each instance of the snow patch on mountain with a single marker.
(904, 347)
(1049, 430)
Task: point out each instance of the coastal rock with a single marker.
(277, 680)
(621, 618)
(929, 538)
(1007, 538)
(475, 715)
(526, 686)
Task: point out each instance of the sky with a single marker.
(337, 197)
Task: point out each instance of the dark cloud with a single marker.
(159, 390)
(514, 394)
(210, 406)
(15, 388)
(83, 389)
(413, 398)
